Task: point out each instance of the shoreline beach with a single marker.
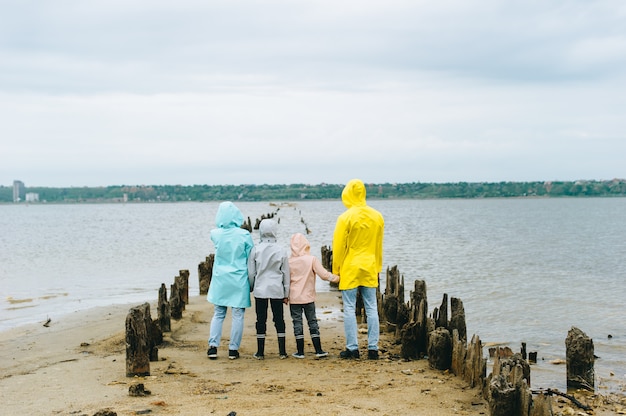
(76, 366)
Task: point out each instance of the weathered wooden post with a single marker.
(155, 335)
(509, 392)
(137, 344)
(440, 349)
(176, 303)
(184, 279)
(580, 360)
(419, 308)
(440, 315)
(475, 364)
(327, 260)
(503, 397)
(205, 273)
(392, 306)
(164, 312)
(247, 225)
(457, 318)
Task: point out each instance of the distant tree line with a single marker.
(413, 190)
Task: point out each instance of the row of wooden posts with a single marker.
(144, 335)
(440, 337)
(444, 341)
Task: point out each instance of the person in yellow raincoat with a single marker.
(357, 259)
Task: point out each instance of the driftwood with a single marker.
(555, 392)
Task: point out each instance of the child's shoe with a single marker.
(258, 356)
(321, 354)
(233, 354)
(298, 355)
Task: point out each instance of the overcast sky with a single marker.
(112, 92)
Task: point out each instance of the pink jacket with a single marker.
(303, 267)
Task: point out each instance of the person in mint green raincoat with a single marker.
(229, 284)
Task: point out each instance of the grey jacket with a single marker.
(268, 265)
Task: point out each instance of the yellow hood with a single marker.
(353, 194)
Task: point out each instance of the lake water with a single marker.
(527, 270)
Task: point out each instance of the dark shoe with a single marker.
(321, 354)
(349, 354)
(282, 350)
(258, 356)
(372, 354)
(233, 354)
(212, 353)
(298, 355)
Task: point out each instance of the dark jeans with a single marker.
(278, 315)
(296, 317)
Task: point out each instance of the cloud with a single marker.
(280, 92)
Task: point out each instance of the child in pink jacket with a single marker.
(303, 267)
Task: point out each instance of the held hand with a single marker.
(286, 301)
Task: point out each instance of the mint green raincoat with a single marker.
(229, 284)
(358, 240)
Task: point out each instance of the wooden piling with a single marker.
(137, 344)
(164, 313)
(176, 303)
(184, 279)
(457, 318)
(440, 349)
(205, 273)
(579, 359)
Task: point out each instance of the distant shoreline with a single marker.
(320, 192)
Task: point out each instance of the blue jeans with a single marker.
(349, 317)
(236, 327)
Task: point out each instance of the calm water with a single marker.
(527, 270)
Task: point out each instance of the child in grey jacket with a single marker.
(268, 272)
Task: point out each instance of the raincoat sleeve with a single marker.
(324, 274)
(286, 275)
(251, 268)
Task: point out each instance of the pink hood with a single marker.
(300, 246)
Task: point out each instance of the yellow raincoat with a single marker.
(358, 240)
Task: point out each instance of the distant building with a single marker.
(19, 191)
(32, 197)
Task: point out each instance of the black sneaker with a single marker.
(349, 354)
(372, 354)
(212, 353)
(233, 354)
(321, 354)
(258, 356)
